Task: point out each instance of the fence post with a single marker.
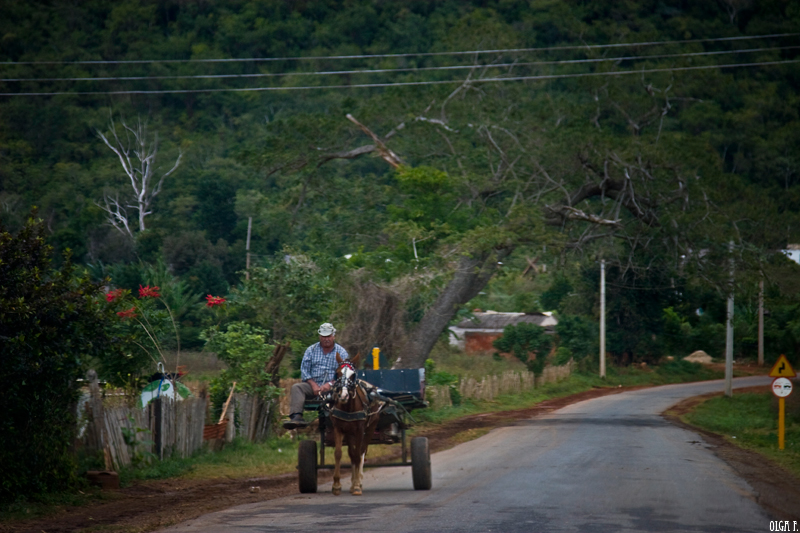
(158, 428)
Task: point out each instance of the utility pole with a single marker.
(602, 318)
(761, 322)
(247, 247)
(729, 335)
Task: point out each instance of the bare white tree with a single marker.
(137, 154)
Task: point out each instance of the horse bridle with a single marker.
(345, 380)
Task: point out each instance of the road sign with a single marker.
(781, 387)
(782, 369)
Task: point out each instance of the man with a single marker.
(317, 372)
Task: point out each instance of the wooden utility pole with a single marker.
(729, 334)
(247, 247)
(602, 318)
(761, 322)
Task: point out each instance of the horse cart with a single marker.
(402, 390)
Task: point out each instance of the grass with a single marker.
(750, 421)
(239, 459)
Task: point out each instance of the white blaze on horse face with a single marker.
(347, 374)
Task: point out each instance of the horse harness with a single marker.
(358, 385)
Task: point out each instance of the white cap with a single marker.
(327, 329)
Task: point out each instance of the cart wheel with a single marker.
(421, 463)
(307, 466)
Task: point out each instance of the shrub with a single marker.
(578, 334)
(436, 377)
(51, 323)
(525, 339)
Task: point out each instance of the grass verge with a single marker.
(750, 421)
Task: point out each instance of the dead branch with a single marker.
(116, 215)
(140, 168)
(387, 155)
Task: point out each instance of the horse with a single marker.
(354, 417)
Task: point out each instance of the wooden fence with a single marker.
(173, 428)
(164, 428)
(176, 428)
(492, 386)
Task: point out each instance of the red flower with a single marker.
(128, 313)
(149, 292)
(211, 301)
(113, 295)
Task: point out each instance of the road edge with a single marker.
(777, 490)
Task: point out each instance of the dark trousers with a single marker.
(300, 393)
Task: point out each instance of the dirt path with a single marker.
(151, 505)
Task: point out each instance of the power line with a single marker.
(409, 69)
(412, 83)
(410, 54)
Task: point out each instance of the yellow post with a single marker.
(781, 414)
(376, 356)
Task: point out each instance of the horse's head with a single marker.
(344, 387)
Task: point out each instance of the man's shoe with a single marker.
(295, 421)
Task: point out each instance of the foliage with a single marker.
(134, 438)
(524, 340)
(563, 356)
(245, 350)
(440, 377)
(481, 159)
(577, 334)
(145, 327)
(51, 324)
(289, 297)
(555, 294)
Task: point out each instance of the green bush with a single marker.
(578, 334)
(525, 339)
(245, 350)
(51, 323)
(438, 377)
(563, 355)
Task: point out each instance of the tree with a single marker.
(506, 190)
(51, 324)
(139, 170)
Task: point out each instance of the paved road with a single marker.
(606, 465)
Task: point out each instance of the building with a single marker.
(477, 334)
(792, 251)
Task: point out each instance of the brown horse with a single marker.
(354, 417)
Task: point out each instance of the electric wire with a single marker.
(409, 54)
(409, 83)
(408, 69)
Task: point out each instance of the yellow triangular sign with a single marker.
(782, 369)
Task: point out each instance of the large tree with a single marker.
(484, 170)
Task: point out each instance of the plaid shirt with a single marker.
(321, 367)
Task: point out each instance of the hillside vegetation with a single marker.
(397, 164)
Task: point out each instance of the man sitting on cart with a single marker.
(317, 372)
